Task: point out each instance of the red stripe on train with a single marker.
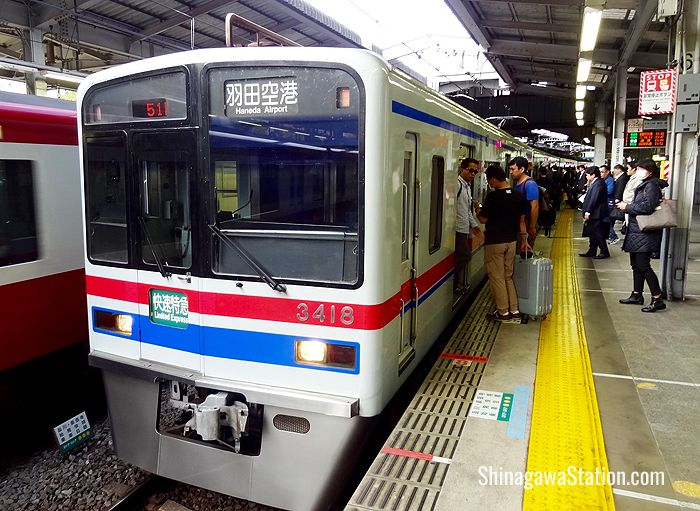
(43, 315)
(29, 124)
(365, 317)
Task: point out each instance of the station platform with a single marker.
(595, 407)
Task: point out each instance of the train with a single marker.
(42, 283)
(270, 238)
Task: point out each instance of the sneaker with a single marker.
(614, 242)
(515, 315)
(498, 316)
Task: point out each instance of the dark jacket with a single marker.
(620, 183)
(646, 199)
(596, 201)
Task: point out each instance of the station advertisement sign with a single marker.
(657, 92)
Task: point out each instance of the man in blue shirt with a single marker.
(528, 187)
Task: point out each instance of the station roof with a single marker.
(109, 32)
(533, 41)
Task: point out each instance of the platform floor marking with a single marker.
(518, 416)
(408, 473)
(653, 380)
(566, 430)
(654, 498)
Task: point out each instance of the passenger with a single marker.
(595, 211)
(632, 183)
(641, 244)
(503, 213)
(609, 181)
(547, 218)
(466, 222)
(527, 186)
(621, 178)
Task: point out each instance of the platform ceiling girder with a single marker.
(545, 34)
(134, 29)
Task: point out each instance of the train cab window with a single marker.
(105, 176)
(437, 185)
(163, 163)
(286, 168)
(150, 98)
(18, 236)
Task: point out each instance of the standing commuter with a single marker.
(527, 186)
(503, 213)
(467, 224)
(609, 181)
(595, 211)
(642, 244)
(632, 184)
(621, 178)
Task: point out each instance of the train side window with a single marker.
(226, 178)
(437, 185)
(106, 199)
(18, 235)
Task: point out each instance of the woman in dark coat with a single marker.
(641, 244)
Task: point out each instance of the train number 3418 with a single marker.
(326, 314)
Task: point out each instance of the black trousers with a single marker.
(641, 271)
(598, 233)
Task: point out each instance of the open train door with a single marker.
(164, 164)
(409, 240)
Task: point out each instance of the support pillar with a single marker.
(620, 112)
(600, 139)
(684, 164)
(34, 52)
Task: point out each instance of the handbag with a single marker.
(616, 214)
(476, 239)
(664, 215)
(586, 232)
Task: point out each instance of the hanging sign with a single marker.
(657, 92)
(635, 125)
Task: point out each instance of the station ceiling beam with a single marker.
(182, 17)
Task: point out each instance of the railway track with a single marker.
(137, 498)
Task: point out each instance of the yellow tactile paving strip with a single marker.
(566, 437)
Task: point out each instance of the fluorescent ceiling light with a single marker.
(584, 69)
(590, 87)
(579, 115)
(580, 91)
(63, 77)
(589, 30)
(579, 122)
(579, 105)
(587, 140)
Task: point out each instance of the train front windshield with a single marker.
(284, 145)
(270, 174)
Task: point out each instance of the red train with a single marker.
(42, 280)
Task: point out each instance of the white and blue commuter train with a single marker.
(269, 253)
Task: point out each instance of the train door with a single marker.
(409, 238)
(164, 163)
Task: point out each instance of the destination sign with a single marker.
(268, 97)
(649, 138)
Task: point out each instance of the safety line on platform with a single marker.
(566, 430)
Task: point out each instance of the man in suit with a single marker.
(595, 212)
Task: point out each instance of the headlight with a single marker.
(113, 322)
(311, 351)
(325, 354)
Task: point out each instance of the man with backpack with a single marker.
(527, 186)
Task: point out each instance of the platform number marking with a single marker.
(491, 405)
(73, 432)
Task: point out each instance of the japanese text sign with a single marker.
(657, 92)
(169, 308)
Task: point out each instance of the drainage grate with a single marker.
(409, 478)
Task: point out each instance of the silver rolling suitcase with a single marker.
(533, 278)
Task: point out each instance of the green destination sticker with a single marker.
(168, 308)
(506, 406)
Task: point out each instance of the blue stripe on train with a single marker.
(418, 115)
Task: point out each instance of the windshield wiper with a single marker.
(250, 261)
(161, 267)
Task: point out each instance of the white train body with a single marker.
(384, 290)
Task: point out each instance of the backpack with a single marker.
(545, 203)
